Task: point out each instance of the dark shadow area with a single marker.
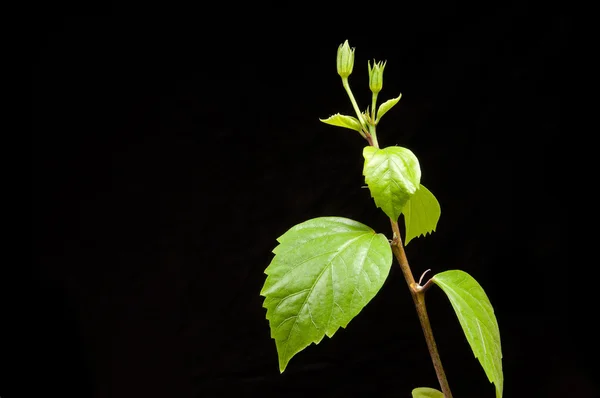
(170, 151)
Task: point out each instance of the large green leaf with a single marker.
(393, 175)
(325, 270)
(476, 316)
(421, 214)
(426, 392)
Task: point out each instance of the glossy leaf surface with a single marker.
(476, 316)
(421, 214)
(393, 175)
(325, 270)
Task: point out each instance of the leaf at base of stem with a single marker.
(426, 392)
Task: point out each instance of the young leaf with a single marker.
(325, 270)
(386, 106)
(426, 392)
(476, 316)
(348, 122)
(421, 214)
(393, 175)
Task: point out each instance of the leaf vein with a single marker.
(457, 296)
(288, 296)
(340, 249)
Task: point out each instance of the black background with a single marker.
(171, 148)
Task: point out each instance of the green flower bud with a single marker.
(345, 60)
(376, 76)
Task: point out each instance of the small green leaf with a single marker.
(393, 175)
(386, 106)
(348, 122)
(476, 316)
(325, 270)
(421, 214)
(426, 392)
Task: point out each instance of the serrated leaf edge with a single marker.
(406, 222)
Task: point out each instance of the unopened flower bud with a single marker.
(376, 76)
(345, 60)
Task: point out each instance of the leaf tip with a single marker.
(283, 363)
